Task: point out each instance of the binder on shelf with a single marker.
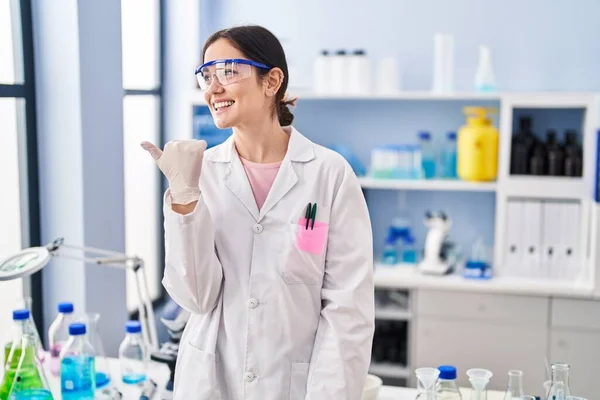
(570, 242)
(532, 237)
(513, 253)
(551, 238)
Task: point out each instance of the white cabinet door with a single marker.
(581, 350)
(496, 346)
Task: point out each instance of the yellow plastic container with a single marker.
(477, 146)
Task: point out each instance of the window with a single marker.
(19, 211)
(142, 118)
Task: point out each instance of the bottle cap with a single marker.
(359, 52)
(447, 372)
(324, 52)
(341, 52)
(20, 315)
(65, 307)
(409, 239)
(424, 135)
(133, 327)
(76, 329)
(451, 135)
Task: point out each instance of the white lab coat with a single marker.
(270, 321)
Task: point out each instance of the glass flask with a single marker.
(24, 376)
(92, 320)
(427, 383)
(559, 388)
(27, 303)
(515, 386)
(479, 379)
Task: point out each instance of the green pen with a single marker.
(313, 216)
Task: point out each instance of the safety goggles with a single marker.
(226, 71)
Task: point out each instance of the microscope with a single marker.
(175, 319)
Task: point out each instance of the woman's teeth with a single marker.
(222, 104)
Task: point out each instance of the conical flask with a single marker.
(24, 376)
(515, 386)
(92, 320)
(27, 303)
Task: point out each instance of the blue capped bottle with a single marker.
(133, 354)
(77, 366)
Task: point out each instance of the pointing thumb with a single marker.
(154, 151)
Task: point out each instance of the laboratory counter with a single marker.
(159, 373)
(408, 277)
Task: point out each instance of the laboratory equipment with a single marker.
(537, 163)
(479, 379)
(443, 63)
(358, 73)
(390, 251)
(574, 157)
(33, 259)
(448, 157)
(371, 387)
(515, 385)
(477, 266)
(559, 388)
(102, 377)
(388, 76)
(556, 155)
(322, 72)
(409, 251)
(23, 371)
(428, 159)
(133, 355)
(446, 386)
(339, 72)
(439, 254)
(175, 319)
(77, 370)
(58, 335)
(484, 77)
(26, 303)
(477, 149)
(427, 379)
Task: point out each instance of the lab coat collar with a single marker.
(300, 149)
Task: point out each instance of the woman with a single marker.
(268, 242)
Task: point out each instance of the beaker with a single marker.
(92, 320)
(559, 389)
(479, 379)
(24, 374)
(515, 386)
(427, 381)
(23, 303)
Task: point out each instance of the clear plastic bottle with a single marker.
(77, 367)
(427, 155)
(58, 335)
(409, 251)
(390, 251)
(133, 354)
(446, 386)
(515, 386)
(448, 157)
(24, 375)
(559, 388)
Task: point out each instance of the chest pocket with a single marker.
(304, 263)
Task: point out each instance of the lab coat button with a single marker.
(252, 303)
(248, 376)
(258, 228)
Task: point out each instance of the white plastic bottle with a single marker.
(339, 72)
(484, 77)
(133, 355)
(322, 71)
(58, 335)
(446, 385)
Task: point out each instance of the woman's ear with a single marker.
(273, 81)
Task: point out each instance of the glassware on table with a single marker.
(515, 386)
(479, 379)
(559, 389)
(427, 380)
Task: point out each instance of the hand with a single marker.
(181, 163)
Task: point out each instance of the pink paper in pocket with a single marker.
(311, 240)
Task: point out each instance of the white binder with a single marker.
(513, 253)
(532, 237)
(570, 242)
(551, 238)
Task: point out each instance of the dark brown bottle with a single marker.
(556, 155)
(537, 163)
(573, 155)
(522, 148)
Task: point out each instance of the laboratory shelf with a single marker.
(408, 277)
(427, 184)
(392, 314)
(389, 370)
(554, 187)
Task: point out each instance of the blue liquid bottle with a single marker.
(448, 157)
(77, 367)
(133, 355)
(427, 155)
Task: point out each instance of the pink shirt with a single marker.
(261, 178)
